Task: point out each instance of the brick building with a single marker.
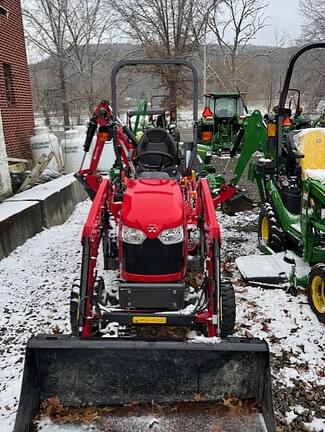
(15, 92)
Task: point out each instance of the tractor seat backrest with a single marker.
(311, 143)
(157, 139)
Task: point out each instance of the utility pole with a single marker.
(205, 63)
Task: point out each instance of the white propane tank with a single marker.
(107, 158)
(43, 142)
(82, 129)
(72, 149)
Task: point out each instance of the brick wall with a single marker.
(17, 116)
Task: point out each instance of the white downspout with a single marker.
(5, 181)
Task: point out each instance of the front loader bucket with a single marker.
(114, 372)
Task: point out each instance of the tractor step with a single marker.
(105, 373)
(271, 269)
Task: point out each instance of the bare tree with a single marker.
(235, 25)
(70, 32)
(90, 25)
(271, 83)
(313, 30)
(314, 19)
(46, 30)
(165, 29)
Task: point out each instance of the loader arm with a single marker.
(254, 139)
(141, 113)
(124, 146)
(90, 239)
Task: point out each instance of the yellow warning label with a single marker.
(149, 320)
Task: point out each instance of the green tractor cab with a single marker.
(221, 120)
(291, 181)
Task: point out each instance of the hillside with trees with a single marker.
(78, 46)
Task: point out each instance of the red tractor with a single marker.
(156, 220)
(158, 226)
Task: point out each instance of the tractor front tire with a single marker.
(74, 309)
(226, 304)
(228, 309)
(316, 291)
(270, 232)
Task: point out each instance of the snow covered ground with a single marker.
(35, 283)
(295, 336)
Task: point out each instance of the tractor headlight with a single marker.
(132, 235)
(172, 235)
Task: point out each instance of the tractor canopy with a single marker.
(225, 104)
(221, 120)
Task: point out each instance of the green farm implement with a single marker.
(290, 177)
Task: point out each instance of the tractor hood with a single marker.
(153, 205)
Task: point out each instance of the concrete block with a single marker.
(18, 222)
(27, 213)
(57, 199)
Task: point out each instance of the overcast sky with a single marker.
(284, 18)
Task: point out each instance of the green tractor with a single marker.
(291, 181)
(221, 120)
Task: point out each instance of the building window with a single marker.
(3, 11)
(8, 84)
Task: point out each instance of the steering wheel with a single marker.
(163, 156)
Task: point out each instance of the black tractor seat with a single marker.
(157, 152)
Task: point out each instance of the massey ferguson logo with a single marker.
(152, 228)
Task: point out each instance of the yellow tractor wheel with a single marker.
(270, 232)
(265, 229)
(316, 291)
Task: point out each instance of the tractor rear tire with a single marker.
(270, 232)
(228, 309)
(316, 291)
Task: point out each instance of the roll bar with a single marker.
(284, 94)
(294, 58)
(165, 62)
(179, 62)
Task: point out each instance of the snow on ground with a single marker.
(295, 336)
(35, 283)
